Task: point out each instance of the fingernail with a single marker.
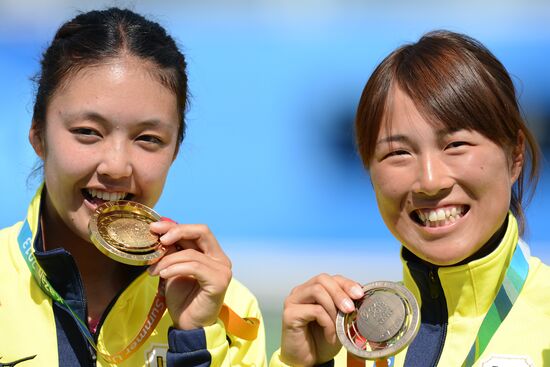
(356, 291)
(348, 305)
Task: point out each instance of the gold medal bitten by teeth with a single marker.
(120, 230)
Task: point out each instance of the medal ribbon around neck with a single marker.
(246, 328)
(513, 282)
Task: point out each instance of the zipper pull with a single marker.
(93, 354)
(433, 284)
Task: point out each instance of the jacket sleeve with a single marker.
(275, 361)
(214, 345)
(187, 348)
(200, 347)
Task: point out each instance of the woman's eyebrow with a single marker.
(85, 115)
(440, 133)
(99, 118)
(392, 138)
(152, 123)
(446, 131)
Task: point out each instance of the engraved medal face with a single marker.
(120, 230)
(384, 322)
(381, 316)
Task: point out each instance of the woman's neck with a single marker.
(485, 250)
(490, 245)
(102, 277)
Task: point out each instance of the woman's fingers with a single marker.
(196, 270)
(298, 316)
(312, 294)
(192, 263)
(190, 236)
(328, 290)
(309, 329)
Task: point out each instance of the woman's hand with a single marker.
(197, 273)
(309, 331)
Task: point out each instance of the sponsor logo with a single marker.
(507, 360)
(11, 364)
(156, 356)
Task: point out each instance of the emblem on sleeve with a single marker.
(507, 360)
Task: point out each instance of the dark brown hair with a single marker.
(101, 35)
(455, 81)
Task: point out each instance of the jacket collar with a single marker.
(59, 265)
(469, 289)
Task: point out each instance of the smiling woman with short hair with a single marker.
(439, 129)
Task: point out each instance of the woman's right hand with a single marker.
(309, 329)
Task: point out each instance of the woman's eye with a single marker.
(457, 144)
(84, 131)
(396, 153)
(150, 139)
(86, 135)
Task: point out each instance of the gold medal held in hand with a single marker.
(120, 230)
(384, 322)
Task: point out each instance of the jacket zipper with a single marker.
(434, 285)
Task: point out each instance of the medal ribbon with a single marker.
(246, 328)
(513, 282)
(153, 317)
(352, 361)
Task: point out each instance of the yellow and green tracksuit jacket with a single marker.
(454, 301)
(31, 324)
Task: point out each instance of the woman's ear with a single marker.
(36, 139)
(176, 151)
(518, 156)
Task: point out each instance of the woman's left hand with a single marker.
(196, 270)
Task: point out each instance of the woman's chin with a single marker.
(441, 256)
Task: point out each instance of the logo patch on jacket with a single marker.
(156, 356)
(507, 360)
(11, 364)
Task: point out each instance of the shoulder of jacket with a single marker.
(10, 230)
(536, 291)
(9, 234)
(241, 299)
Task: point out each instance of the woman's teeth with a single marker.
(107, 196)
(440, 217)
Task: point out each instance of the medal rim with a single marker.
(114, 252)
(402, 342)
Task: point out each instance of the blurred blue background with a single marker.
(269, 162)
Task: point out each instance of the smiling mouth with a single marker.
(439, 217)
(99, 197)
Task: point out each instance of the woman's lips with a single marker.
(98, 197)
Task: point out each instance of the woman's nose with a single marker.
(433, 175)
(115, 161)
